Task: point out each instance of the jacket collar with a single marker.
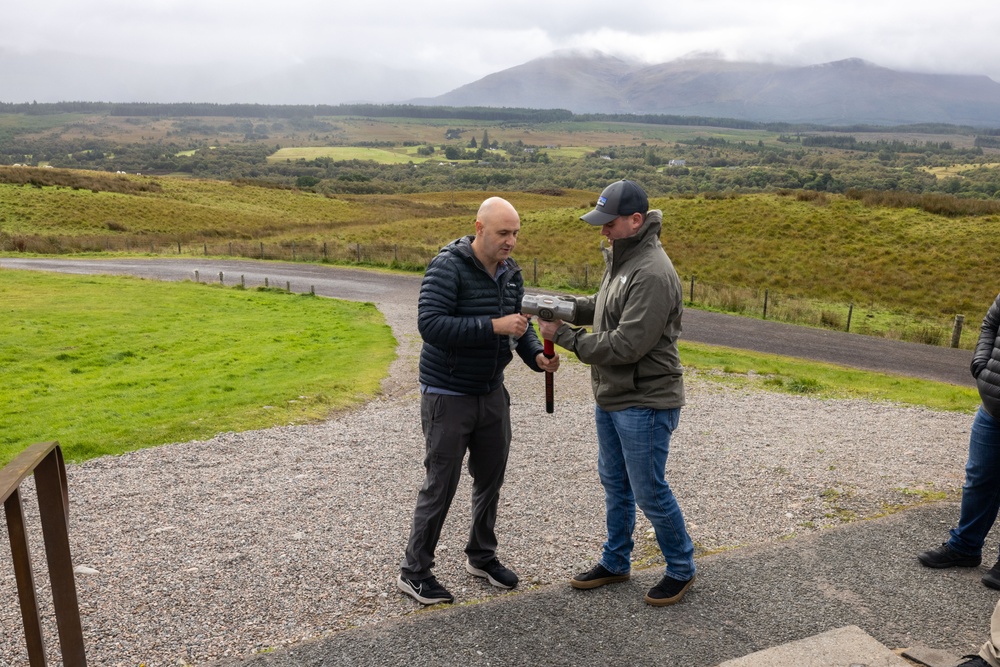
(647, 235)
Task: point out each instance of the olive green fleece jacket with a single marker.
(636, 318)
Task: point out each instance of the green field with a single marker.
(106, 365)
(958, 170)
(380, 155)
(798, 376)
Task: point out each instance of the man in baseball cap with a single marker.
(638, 387)
(618, 199)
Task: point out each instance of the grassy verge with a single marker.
(820, 380)
(106, 365)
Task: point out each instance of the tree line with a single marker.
(504, 114)
(710, 166)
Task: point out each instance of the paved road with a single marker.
(837, 347)
(863, 573)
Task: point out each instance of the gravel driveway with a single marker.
(259, 539)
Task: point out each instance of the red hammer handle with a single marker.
(550, 402)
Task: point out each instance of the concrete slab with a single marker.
(932, 657)
(849, 646)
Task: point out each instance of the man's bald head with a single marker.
(497, 226)
(493, 207)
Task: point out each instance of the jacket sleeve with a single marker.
(987, 338)
(640, 326)
(528, 346)
(584, 310)
(437, 306)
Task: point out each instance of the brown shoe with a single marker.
(596, 576)
(669, 591)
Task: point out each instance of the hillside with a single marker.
(827, 247)
(844, 92)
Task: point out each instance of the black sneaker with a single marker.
(424, 591)
(973, 661)
(945, 556)
(597, 576)
(669, 591)
(498, 575)
(992, 577)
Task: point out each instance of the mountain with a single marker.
(837, 93)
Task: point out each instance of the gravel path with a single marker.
(259, 539)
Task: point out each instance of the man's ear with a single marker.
(479, 227)
(636, 221)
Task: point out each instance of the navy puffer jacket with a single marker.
(458, 298)
(986, 360)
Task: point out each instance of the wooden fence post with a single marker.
(765, 303)
(956, 332)
(850, 311)
(691, 297)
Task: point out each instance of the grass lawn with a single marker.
(106, 365)
(380, 155)
(798, 376)
(954, 170)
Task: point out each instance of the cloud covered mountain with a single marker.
(837, 93)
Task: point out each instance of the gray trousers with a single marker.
(453, 425)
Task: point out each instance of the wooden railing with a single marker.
(46, 461)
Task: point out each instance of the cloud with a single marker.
(456, 41)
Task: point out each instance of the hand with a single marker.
(511, 325)
(546, 364)
(548, 328)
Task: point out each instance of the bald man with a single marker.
(470, 321)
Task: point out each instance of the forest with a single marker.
(670, 155)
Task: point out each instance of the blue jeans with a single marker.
(632, 460)
(981, 492)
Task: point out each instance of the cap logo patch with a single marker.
(601, 201)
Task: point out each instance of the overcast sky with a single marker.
(454, 42)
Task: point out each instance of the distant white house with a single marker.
(677, 163)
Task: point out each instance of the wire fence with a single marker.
(760, 302)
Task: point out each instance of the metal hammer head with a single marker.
(549, 307)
